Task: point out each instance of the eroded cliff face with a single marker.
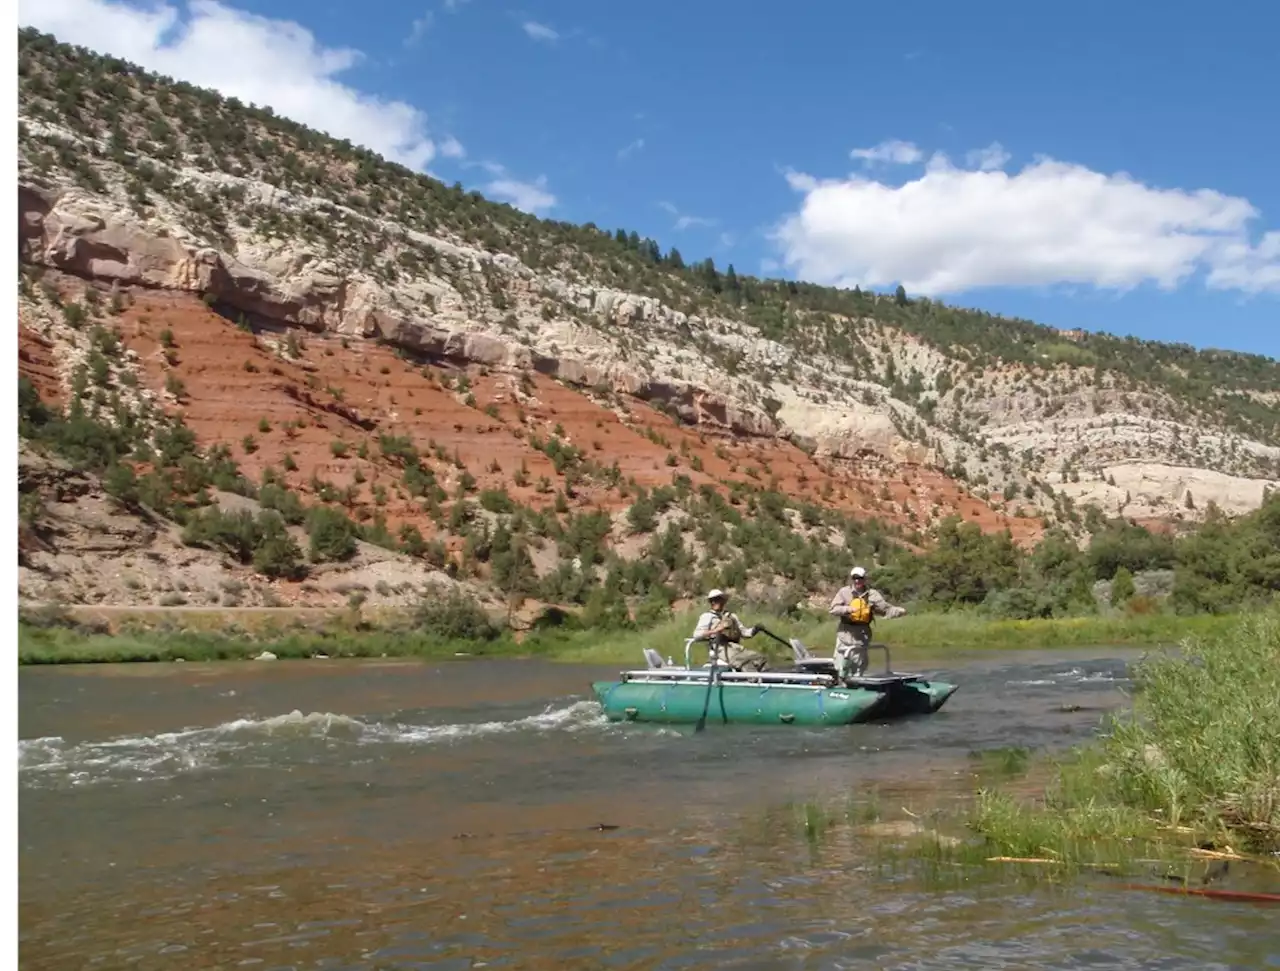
(312, 408)
(140, 185)
(301, 302)
(79, 546)
(490, 310)
(592, 338)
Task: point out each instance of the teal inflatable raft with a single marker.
(811, 693)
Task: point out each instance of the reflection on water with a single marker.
(335, 815)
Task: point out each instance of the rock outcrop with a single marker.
(336, 244)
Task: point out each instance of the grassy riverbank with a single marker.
(160, 635)
(1197, 760)
(1173, 793)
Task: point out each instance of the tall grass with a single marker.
(208, 635)
(964, 631)
(1198, 755)
(957, 632)
(63, 646)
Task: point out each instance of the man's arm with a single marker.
(882, 608)
(703, 629)
(840, 602)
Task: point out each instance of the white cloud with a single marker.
(684, 220)
(419, 28)
(243, 55)
(453, 5)
(452, 148)
(1052, 223)
(532, 197)
(631, 149)
(897, 152)
(540, 31)
(992, 157)
(1253, 269)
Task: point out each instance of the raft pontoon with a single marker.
(810, 693)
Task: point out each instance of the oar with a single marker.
(761, 629)
(790, 646)
(706, 704)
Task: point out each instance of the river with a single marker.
(331, 814)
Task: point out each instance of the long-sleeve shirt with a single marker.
(847, 632)
(712, 619)
(720, 646)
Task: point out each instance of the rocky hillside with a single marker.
(435, 364)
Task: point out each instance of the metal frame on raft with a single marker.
(818, 673)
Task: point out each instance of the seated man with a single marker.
(857, 606)
(723, 631)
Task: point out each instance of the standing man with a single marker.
(723, 632)
(857, 606)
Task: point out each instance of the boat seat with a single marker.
(817, 665)
(653, 658)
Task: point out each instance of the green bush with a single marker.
(1122, 588)
(454, 616)
(1203, 744)
(277, 554)
(496, 501)
(262, 540)
(331, 535)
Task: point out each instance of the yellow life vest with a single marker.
(859, 611)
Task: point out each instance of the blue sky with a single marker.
(1050, 161)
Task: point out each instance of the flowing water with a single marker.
(328, 814)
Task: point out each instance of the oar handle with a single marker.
(761, 629)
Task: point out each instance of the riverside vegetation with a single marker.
(1197, 759)
(450, 625)
(969, 589)
(1180, 785)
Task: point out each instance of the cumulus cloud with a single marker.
(540, 31)
(531, 197)
(257, 59)
(1252, 269)
(992, 157)
(894, 151)
(952, 229)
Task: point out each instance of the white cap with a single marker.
(717, 594)
(858, 571)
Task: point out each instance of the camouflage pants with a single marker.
(745, 659)
(851, 652)
(741, 658)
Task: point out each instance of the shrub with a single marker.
(497, 501)
(453, 616)
(1122, 588)
(277, 554)
(332, 535)
(1199, 749)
